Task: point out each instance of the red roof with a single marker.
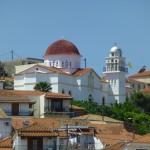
(62, 47)
(142, 74)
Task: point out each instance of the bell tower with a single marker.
(115, 72)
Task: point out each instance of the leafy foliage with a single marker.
(43, 86)
(129, 112)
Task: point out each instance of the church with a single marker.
(62, 69)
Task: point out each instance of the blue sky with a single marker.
(28, 27)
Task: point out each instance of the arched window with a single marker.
(63, 91)
(90, 98)
(62, 64)
(103, 100)
(66, 63)
(70, 93)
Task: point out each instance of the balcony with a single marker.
(21, 113)
(123, 69)
(56, 109)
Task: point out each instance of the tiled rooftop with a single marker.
(11, 96)
(17, 123)
(92, 117)
(146, 91)
(143, 139)
(2, 114)
(129, 80)
(6, 143)
(142, 74)
(114, 133)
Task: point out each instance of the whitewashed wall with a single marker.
(5, 130)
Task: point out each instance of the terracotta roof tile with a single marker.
(146, 90)
(10, 96)
(114, 133)
(62, 47)
(17, 123)
(117, 146)
(92, 117)
(129, 80)
(6, 143)
(57, 95)
(3, 114)
(26, 93)
(143, 139)
(142, 74)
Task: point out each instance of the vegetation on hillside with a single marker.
(134, 111)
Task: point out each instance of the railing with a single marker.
(75, 146)
(15, 113)
(58, 109)
(124, 69)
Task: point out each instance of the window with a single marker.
(63, 91)
(133, 85)
(70, 64)
(70, 93)
(112, 54)
(62, 64)
(103, 101)
(50, 63)
(57, 63)
(54, 63)
(66, 63)
(138, 86)
(90, 98)
(34, 144)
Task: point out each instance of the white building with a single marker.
(62, 69)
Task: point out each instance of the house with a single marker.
(34, 103)
(48, 133)
(141, 143)
(5, 125)
(14, 104)
(142, 76)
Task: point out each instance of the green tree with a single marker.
(43, 86)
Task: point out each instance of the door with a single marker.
(15, 109)
(35, 143)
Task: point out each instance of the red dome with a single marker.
(62, 47)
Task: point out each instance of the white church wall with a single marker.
(42, 78)
(56, 60)
(19, 80)
(29, 78)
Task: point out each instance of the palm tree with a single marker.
(43, 86)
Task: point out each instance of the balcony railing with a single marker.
(123, 69)
(56, 109)
(21, 113)
(75, 146)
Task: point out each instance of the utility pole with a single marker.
(12, 55)
(85, 62)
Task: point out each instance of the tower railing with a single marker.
(112, 69)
